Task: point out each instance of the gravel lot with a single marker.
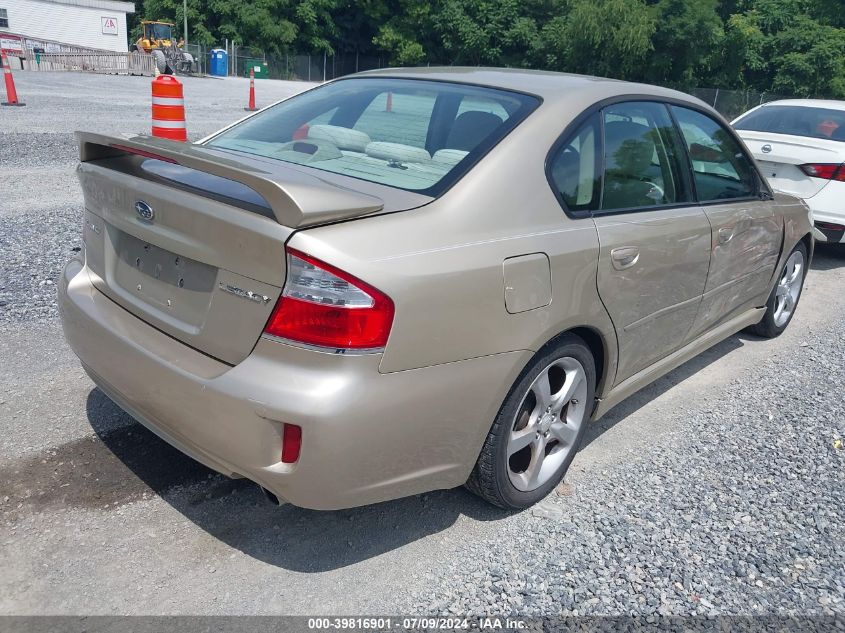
(717, 490)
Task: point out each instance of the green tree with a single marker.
(794, 47)
(404, 30)
(274, 26)
(488, 32)
(686, 43)
(784, 46)
(831, 12)
(744, 63)
(610, 38)
(807, 59)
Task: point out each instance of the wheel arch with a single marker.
(597, 344)
(810, 245)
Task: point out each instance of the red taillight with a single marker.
(291, 443)
(826, 171)
(324, 306)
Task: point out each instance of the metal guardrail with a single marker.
(100, 62)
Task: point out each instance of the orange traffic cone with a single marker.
(11, 93)
(251, 107)
(168, 109)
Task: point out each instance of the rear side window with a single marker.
(642, 158)
(576, 169)
(416, 135)
(721, 168)
(822, 123)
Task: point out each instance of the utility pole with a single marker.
(185, 17)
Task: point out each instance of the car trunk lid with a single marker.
(193, 243)
(780, 157)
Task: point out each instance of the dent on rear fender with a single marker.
(797, 220)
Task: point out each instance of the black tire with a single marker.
(490, 479)
(160, 61)
(768, 327)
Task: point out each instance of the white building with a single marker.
(99, 24)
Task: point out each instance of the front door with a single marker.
(746, 230)
(654, 239)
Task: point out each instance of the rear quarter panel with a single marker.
(442, 264)
(797, 224)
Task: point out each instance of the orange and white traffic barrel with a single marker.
(169, 109)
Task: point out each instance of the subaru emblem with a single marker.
(144, 211)
(766, 148)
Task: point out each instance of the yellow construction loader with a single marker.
(169, 55)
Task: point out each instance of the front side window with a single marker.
(411, 134)
(722, 169)
(575, 171)
(642, 164)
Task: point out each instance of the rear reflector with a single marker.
(830, 226)
(324, 306)
(291, 443)
(826, 171)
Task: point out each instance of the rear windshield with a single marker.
(797, 121)
(411, 134)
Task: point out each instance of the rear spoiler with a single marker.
(296, 198)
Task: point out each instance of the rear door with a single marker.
(746, 230)
(654, 240)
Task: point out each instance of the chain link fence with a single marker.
(302, 67)
(200, 54)
(323, 67)
(732, 103)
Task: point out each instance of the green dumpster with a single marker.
(258, 66)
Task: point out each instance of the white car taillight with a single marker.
(825, 171)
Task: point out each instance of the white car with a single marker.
(800, 147)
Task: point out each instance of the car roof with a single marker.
(809, 103)
(545, 84)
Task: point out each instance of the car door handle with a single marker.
(726, 234)
(624, 257)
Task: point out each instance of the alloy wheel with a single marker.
(547, 424)
(789, 288)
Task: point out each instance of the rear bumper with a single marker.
(828, 208)
(366, 436)
(832, 232)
